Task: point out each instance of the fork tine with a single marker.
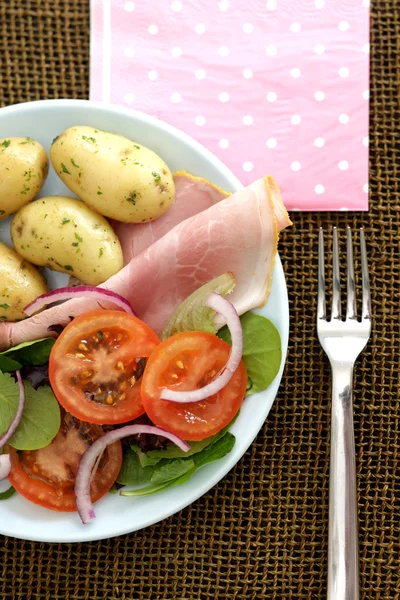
(366, 291)
(336, 311)
(351, 311)
(321, 277)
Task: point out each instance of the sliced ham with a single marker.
(192, 196)
(238, 234)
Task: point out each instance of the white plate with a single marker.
(117, 515)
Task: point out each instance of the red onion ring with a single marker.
(5, 466)
(88, 464)
(80, 291)
(228, 312)
(20, 409)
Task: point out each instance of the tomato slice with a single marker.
(47, 476)
(187, 361)
(95, 367)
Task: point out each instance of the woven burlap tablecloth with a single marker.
(262, 531)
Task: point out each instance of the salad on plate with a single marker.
(128, 379)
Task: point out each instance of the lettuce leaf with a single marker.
(262, 351)
(192, 314)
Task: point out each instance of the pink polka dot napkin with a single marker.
(270, 86)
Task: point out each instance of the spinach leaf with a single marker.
(262, 352)
(132, 472)
(40, 420)
(28, 353)
(7, 494)
(178, 470)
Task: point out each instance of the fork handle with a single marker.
(343, 519)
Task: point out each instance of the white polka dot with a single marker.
(343, 165)
(271, 50)
(271, 143)
(366, 3)
(295, 27)
(200, 28)
(271, 4)
(319, 96)
(247, 166)
(319, 49)
(176, 98)
(129, 52)
(344, 119)
(223, 5)
(129, 6)
(248, 120)
(176, 51)
(153, 29)
(152, 75)
(223, 51)
(365, 94)
(200, 120)
(247, 28)
(223, 143)
(295, 119)
(319, 3)
(247, 73)
(343, 209)
(295, 73)
(319, 188)
(200, 74)
(129, 98)
(343, 26)
(295, 166)
(176, 6)
(344, 72)
(223, 97)
(271, 97)
(365, 188)
(319, 142)
(365, 48)
(366, 141)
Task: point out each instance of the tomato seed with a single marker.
(180, 364)
(120, 365)
(109, 399)
(123, 386)
(122, 396)
(174, 376)
(133, 380)
(79, 355)
(82, 346)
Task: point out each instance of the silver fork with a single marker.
(343, 341)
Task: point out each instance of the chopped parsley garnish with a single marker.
(64, 169)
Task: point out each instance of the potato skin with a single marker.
(64, 234)
(117, 177)
(20, 284)
(23, 170)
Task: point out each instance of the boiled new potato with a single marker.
(23, 170)
(64, 234)
(116, 177)
(20, 284)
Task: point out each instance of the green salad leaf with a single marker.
(192, 314)
(40, 420)
(173, 471)
(7, 494)
(262, 352)
(34, 353)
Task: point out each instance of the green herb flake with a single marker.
(64, 169)
(55, 139)
(99, 192)
(78, 237)
(5, 306)
(68, 268)
(91, 140)
(75, 244)
(74, 163)
(101, 252)
(5, 143)
(65, 221)
(136, 146)
(157, 176)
